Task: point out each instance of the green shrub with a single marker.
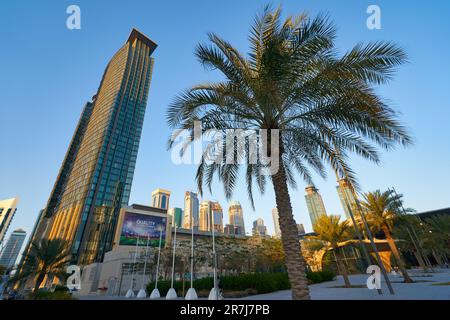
(48, 295)
(257, 282)
(320, 276)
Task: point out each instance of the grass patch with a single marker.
(441, 284)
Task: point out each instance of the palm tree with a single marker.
(436, 236)
(333, 234)
(45, 258)
(382, 209)
(310, 100)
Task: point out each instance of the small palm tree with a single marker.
(382, 209)
(45, 258)
(293, 83)
(333, 234)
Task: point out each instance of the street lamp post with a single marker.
(155, 293)
(191, 293)
(172, 294)
(214, 294)
(130, 292)
(142, 294)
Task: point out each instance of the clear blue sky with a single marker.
(48, 72)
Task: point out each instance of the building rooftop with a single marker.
(136, 34)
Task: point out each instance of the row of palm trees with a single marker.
(385, 212)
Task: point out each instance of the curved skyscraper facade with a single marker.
(96, 175)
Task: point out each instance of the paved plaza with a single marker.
(426, 287)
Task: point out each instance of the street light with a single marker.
(214, 294)
(191, 293)
(155, 293)
(172, 294)
(130, 292)
(142, 294)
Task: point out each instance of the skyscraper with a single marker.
(8, 208)
(160, 199)
(314, 203)
(346, 196)
(11, 251)
(176, 215)
(259, 229)
(94, 181)
(300, 228)
(276, 223)
(210, 212)
(190, 210)
(236, 217)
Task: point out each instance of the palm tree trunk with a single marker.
(437, 258)
(342, 267)
(295, 263)
(40, 278)
(396, 254)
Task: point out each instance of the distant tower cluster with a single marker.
(346, 196)
(191, 210)
(160, 199)
(314, 203)
(276, 223)
(11, 251)
(259, 229)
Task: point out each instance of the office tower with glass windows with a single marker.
(276, 223)
(346, 196)
(11, 250)
(259, 229)
(176, 214)
(191, 210)
(300, 228)
(95, 178)
(314, 203)
(210, 216)
(160, 199)
(8, 208)
(236, 217)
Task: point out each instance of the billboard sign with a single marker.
(142, 226)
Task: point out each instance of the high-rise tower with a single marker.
(276, 223)
(10, 252)
(94, 181)
(314, 203)
(8, 208)
(211, 216)
(160, 199)
(346, 196)
(236, 217)
(191, 208)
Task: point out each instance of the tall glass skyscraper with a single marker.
(236, 217)
(210, 216)
(95, 178)
(346, 196)
(11, 251)
(314, 203)
(191, 210)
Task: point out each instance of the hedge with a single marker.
(260, 282)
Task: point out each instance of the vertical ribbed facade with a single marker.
(346, 196)
(96, 175)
